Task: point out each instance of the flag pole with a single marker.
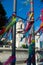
(14, 36)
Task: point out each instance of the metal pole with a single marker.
(33, 36)
(31, 59)
(14, 36)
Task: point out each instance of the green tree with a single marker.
(41, 0)
(3, 18)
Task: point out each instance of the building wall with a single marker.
(41, 41)
(41, 44)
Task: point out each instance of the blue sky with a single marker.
(38, 5)
(8, 6)
(23, 6)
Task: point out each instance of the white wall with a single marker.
(37, 40)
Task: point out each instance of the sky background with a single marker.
(23, 6)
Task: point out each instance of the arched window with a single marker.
(21, 26)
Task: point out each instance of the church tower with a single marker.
(19, 34)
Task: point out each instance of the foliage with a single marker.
(41, 0)
(24, 46)
(3, 18)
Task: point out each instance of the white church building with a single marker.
(37, 40)
(19, 34)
